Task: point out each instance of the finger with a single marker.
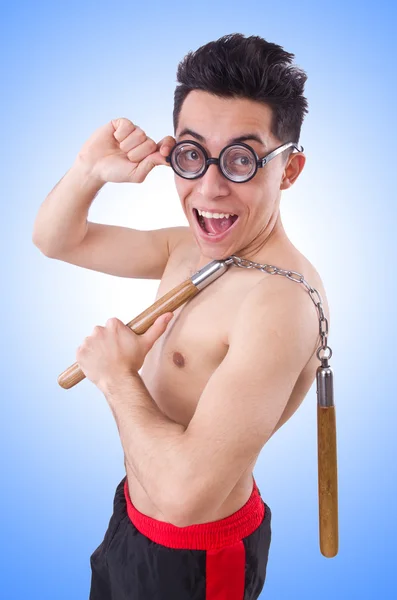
(147, 164)
(122, 128)
(135, 138)
(157, 329)
(140, 152)
(157, 158)
(166, 144)
(113, 322)
(82, 348)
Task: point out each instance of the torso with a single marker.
(180, 363)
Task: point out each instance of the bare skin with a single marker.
(181, 362)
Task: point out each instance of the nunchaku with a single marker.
(326, 421)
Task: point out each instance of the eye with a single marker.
(245, 161)
(240, 161)
(191, 155)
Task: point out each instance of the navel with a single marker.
(178, 359)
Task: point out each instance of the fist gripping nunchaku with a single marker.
(326, 421)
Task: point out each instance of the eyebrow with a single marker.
(236, 140)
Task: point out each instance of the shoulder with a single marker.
(181, 240)
(179, 244)
(281, 286)
(280, 306)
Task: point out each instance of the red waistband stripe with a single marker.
(203, 536)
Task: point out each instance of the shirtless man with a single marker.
(235, 362)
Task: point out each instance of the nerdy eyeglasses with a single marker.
(238, 162)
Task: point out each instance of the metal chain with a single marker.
(298, 278)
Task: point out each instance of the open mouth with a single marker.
(215, 227)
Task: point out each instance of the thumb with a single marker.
(166, 144)
(158, 328)
(147, 164)
(157, 157)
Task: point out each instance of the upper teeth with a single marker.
(209, 215)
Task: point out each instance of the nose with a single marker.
(212, 183)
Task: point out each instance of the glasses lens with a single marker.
(238, 163)
(188, 160)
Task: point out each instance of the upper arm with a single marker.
(272, 338)
(125, 252)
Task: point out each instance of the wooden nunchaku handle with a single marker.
(327, 480)
(167, 303)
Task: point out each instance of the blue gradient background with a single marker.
(68, 68)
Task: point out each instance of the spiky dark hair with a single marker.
(247, 67)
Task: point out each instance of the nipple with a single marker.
(178, 359)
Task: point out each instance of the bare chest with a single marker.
(180, 363)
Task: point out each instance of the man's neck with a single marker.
(262, 250)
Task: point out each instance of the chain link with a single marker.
(298, 278)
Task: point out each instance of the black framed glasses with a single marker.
(238, 162)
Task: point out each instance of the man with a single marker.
(235, 362)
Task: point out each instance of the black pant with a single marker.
(127, 565)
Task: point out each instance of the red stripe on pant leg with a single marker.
(225, 573)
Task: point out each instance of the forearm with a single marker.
(61, 222)
(151, 441)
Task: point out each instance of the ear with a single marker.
(292, 170)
